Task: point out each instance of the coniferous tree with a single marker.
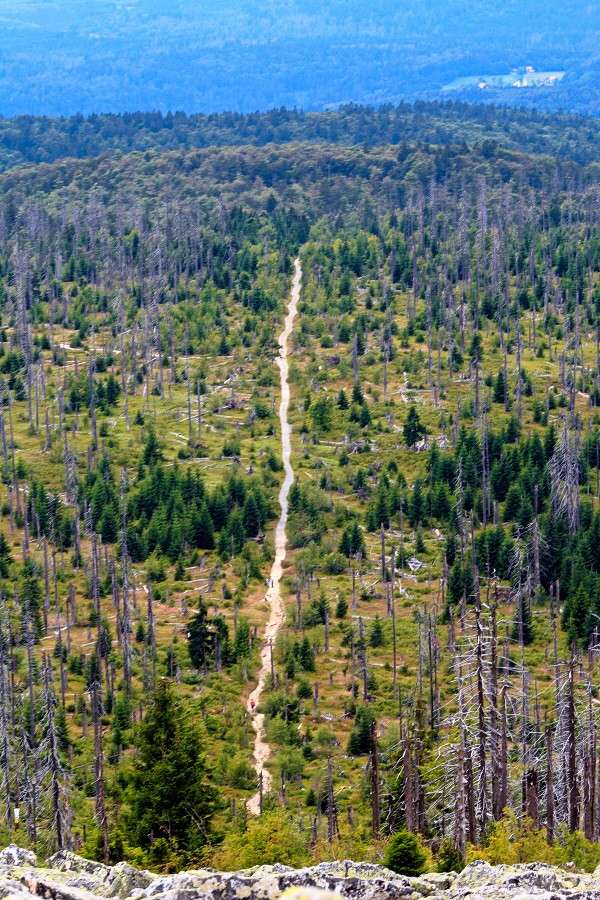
(414, 429)
(204, 529)
(169, 802)
(251, 515)
(341, 608)
(405, 855)
(199, 639)
(376, 633)
(360, 741)
(31, 597)
(353, 542)
(499, 388)
(152, 452)
(342, 401)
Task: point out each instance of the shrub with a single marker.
(241, 774)
(304, 690)
(449, 857)
(577, 849)
(269, 839)
(405, 855)
(512, 841)
(335, 564)
(231, 448)
(291, 763)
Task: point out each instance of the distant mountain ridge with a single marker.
(66, 57)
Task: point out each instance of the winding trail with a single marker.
(262, 750)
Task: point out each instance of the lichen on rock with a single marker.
(66, 876)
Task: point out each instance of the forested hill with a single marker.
(28, 139)
(65, 56)
(335, 179)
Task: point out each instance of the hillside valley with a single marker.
(418, 521)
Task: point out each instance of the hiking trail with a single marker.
(262, 750)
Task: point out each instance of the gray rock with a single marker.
(10, 889)
(298, 893)
(441, 881)
(17, 856)
(71, 877)
(269, 882)
(528, 877)
(105, 881)
(38, 883)
(262, 871)
(347, 869)
(66, 861)
(124, 879)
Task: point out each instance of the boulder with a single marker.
(433, 884)
(40, 883)
(67, 861)
(270, 882)
(17, 856)
(441, 881)
(68, 876)
(105, 881)
(13, 890)
(532, 878)
(124, 879)
(298, 893)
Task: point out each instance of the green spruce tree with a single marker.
(169, 803)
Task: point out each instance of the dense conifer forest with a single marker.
(40, 139)
(437, 670)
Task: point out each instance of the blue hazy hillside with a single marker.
(66, 56)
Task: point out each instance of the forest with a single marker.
(41, 139)
(435, 683)
(63, 57)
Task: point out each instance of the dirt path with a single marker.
(262, 750)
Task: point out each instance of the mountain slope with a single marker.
(444, 408)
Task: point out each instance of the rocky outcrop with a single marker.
(66, 876)
(104, 881)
